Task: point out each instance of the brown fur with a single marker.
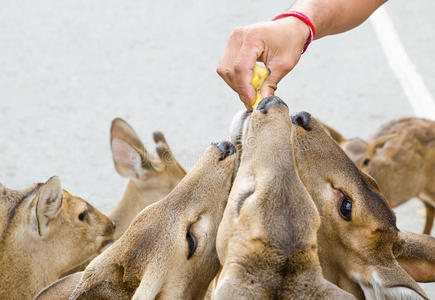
(151, 177)
(357, 254)
(267, 238)
(150, 261)
(416, 254)
(42, 236)
(400, 156)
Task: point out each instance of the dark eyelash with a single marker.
(191, 242)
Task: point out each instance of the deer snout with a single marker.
(226, 148)
(268, 102)
(302, 119)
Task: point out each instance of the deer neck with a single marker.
(31, 271)
(134, 200)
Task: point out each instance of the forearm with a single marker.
(336, 16)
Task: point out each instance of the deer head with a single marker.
(358, 231)
(152, 177)
(45, 232)
(168, 252)
(267, 241)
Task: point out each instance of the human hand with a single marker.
(278, 44)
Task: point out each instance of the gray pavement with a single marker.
(67, 68)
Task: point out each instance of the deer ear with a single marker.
(60, 289)
(390, 281)
(355, 148)
(333, 133)
(371, 181)
(380, 141)
(129, 154)
(49, 201)
(166, 156)
(128, 161)
(417, 255)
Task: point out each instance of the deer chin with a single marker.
(376, 289)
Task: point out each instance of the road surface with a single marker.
(67, 68)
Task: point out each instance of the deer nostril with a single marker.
(113, 225)
(268, 102)
(226, 148)
(302, 119)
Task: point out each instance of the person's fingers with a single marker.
(271, 82)
(268, 90)
(225, 71)
(243, 71)
(225, 68)
(278, 69)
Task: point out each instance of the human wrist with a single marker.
(297, 29)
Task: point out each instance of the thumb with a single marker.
(277, 72)
(268, 88)
(271, 82)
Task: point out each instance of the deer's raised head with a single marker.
(267, 238)
(358, 228)
(152, 177)
(168, 252)
(45, 231)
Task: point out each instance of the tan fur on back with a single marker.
(404, 165)
(400, 156)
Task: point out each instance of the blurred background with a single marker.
(67, 68)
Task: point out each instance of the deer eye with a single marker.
(366, 161)
(83, 215)
(191, 242)
(346, 208)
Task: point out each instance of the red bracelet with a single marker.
(304, 18)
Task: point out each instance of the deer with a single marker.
(168, 251)
(400, 156)
(267, 239)
(361, 250)
(44, 232)
(151, 177)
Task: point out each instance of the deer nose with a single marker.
(113, 225)
(226, 148)
(268, 102)
(302, 119)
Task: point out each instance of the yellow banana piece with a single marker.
(259, 74)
